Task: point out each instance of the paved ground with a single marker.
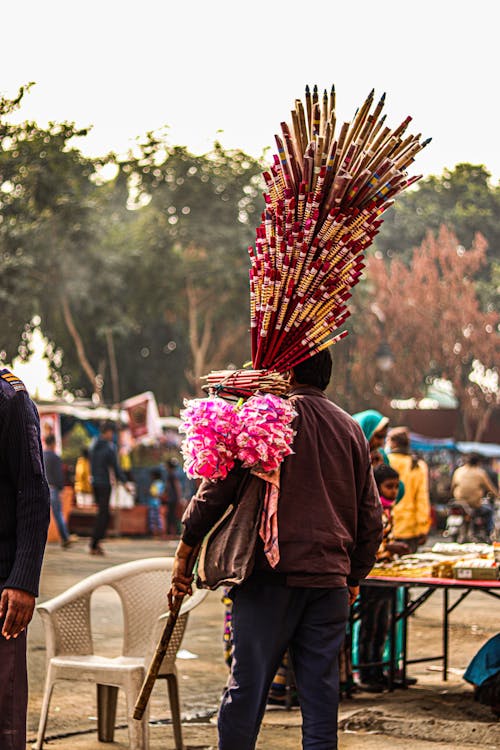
(433, 714)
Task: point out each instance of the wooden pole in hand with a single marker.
(161, 649)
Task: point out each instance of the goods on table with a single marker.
(444, 568)
(408, 566)
(452, 548)
(407, 571)
(461, 561)
(477, 569)
(453, 554)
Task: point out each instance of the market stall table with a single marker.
(411, 603)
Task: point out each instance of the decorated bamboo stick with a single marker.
(324, 198)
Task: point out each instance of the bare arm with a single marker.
(489, 486)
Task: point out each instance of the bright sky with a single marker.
(35, 373)
(200, 67)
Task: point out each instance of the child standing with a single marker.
(376, 602)
(156, 491)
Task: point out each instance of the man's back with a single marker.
(320, 533)
(470, 484)
(53, 469)
(102, 458)
(323, 486)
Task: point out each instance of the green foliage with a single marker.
(108, 263)
(189, 240)
(74, 442)
(152, 264)
(204, 203)
(462, 198)
(55, 218)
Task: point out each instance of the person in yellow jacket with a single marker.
(83, 485)
(412, 515)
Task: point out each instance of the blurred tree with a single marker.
(344, 389)
(199, 217)
(53, 263)
(429, 314)
(462, 198)
(141, 281)
(15, 264)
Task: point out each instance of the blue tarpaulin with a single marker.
(422, 443)
(427, 444)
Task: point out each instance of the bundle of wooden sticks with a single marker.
(325, 194)
(236, 384)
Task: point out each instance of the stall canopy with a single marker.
(139, 414)
(425, 444)
(82, 412)
(490, 450)
(60, 417)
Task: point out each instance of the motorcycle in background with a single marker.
(465, 524)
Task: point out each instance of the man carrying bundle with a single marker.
(329, 530)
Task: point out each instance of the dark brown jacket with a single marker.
(329, 515)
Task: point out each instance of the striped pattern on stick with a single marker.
(325, 193)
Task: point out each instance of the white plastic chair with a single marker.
(142, 587)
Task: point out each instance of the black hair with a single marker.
(317, 370)
(107, 426)
(474, 459)
(85, 452)
(156, 474)
(383, 472)
(399, 439)
(50, 440)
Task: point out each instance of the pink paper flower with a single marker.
(208, 449)
(259, 435)
(265, 436)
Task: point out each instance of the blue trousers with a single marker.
(267, 619)
(55, 504)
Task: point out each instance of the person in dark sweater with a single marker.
(55, 478)
(24, 520)
(103, 464)
(329, 530)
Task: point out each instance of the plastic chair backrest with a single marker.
(142, 587)
(144, 599)
(71, 628)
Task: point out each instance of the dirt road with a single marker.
(433, 714)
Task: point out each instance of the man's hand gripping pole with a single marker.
(161, 649)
